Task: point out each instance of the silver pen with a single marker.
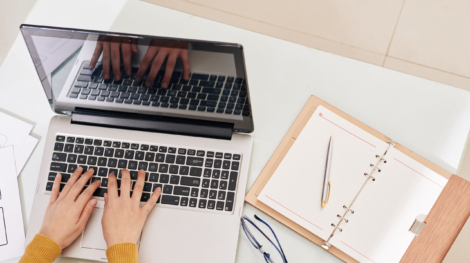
(325, 197)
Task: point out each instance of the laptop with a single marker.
(177, 108)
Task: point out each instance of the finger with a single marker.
(186, 67)
(86, 213)
(126, 58)
(112, 186)
(116, 60)
(106, 60)
(125, 183)
(55, 189)
(96, 55)
(152, 200)
(76, 174)
(170, 66)
(139, 186)
(134, 47)
(156, 65)
(145, 62)
(84, 197)
(78, 186)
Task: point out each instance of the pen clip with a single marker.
(329, 187)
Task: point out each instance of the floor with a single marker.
(425, 38)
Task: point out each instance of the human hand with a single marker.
(112, 48)
(68, 211)
(123, 218)
(159, 51)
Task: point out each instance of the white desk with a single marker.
(429, 118)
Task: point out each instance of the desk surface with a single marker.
(429, 118)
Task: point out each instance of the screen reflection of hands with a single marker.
(113, 48)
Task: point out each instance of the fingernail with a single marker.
(79, 169)
(90, 67)
(128, 72)
(138, 79)
(147, 83)
(164, 84)
(93, 202)
(159, 189)
(106, 76)
(90, 170)
(117, 77)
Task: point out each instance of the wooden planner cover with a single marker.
(444, 222)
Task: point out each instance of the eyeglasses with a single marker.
(256, 244)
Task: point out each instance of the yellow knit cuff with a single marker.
(41, 249)
(122, 253)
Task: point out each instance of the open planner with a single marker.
(377, 191)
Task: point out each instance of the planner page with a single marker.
(295, 188)
(387, 207)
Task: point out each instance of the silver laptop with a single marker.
(190, 137)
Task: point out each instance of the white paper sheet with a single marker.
(25, 152)
(12, 236)
(14, 132)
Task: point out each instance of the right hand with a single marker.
(123, 218)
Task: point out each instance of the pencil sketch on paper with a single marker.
(3, 229)
(3, 140)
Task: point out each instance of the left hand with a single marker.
(68, 211)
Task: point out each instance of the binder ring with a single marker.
(375, 167)
(381, 159)
(369, 176)
(349, 210)
(342, 218)
(340, 229)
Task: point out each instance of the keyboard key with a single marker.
(68, 148)
(184, 170)
(207, 173)
(71, 168)
(153, 177)
(89, 141)
(236, 157)
(195, 171)
(125, 145)
(132, 165)
(58, 167)
(49, 186)
(100, 192)
(92, 160)
(228, 156)
(112, 162)
(221, 195)
(194, 192)
(211, 204)
(219, 155)
(149, 156)
(191, 152)
(220, 206)
(99, 151)
(109, 152)
(202, 203)
(72, 158)
(188, 181)
(210, 154)
(119, 153)
(209, 163)
(235, 166)
(170, 200)
(61, 157)
(145, 197)
(215, 184)
(58, 146)
(160, 157)
(217, 163)
(225, 175)
(60, 138)
(163, 168)
(184, 201)
(229, 202)
(195, 161)
(226, 165)
(164, 178)
(153, 167)
(81, 159)
(163, 149)
(192, 202)
(223, 185)
(181, 190)
(155, 186)
(232, 183)
(213, 194)
(205, 183)
(103, 172)
(97, 142)
(147, 187)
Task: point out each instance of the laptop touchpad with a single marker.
(93, 234)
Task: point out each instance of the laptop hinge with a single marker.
(152, 123)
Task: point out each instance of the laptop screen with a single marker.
(180, 78)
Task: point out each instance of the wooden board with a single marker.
(434, 228)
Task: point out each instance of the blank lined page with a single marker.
(295, 188)
(386, 209)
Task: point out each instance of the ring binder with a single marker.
(375, 167)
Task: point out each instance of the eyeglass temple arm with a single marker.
(274, 234)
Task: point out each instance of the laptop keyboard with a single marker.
(194, 178)
(202, 92)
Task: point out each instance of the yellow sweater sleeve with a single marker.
(122, 253)
(41, 250)
(45, 250)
